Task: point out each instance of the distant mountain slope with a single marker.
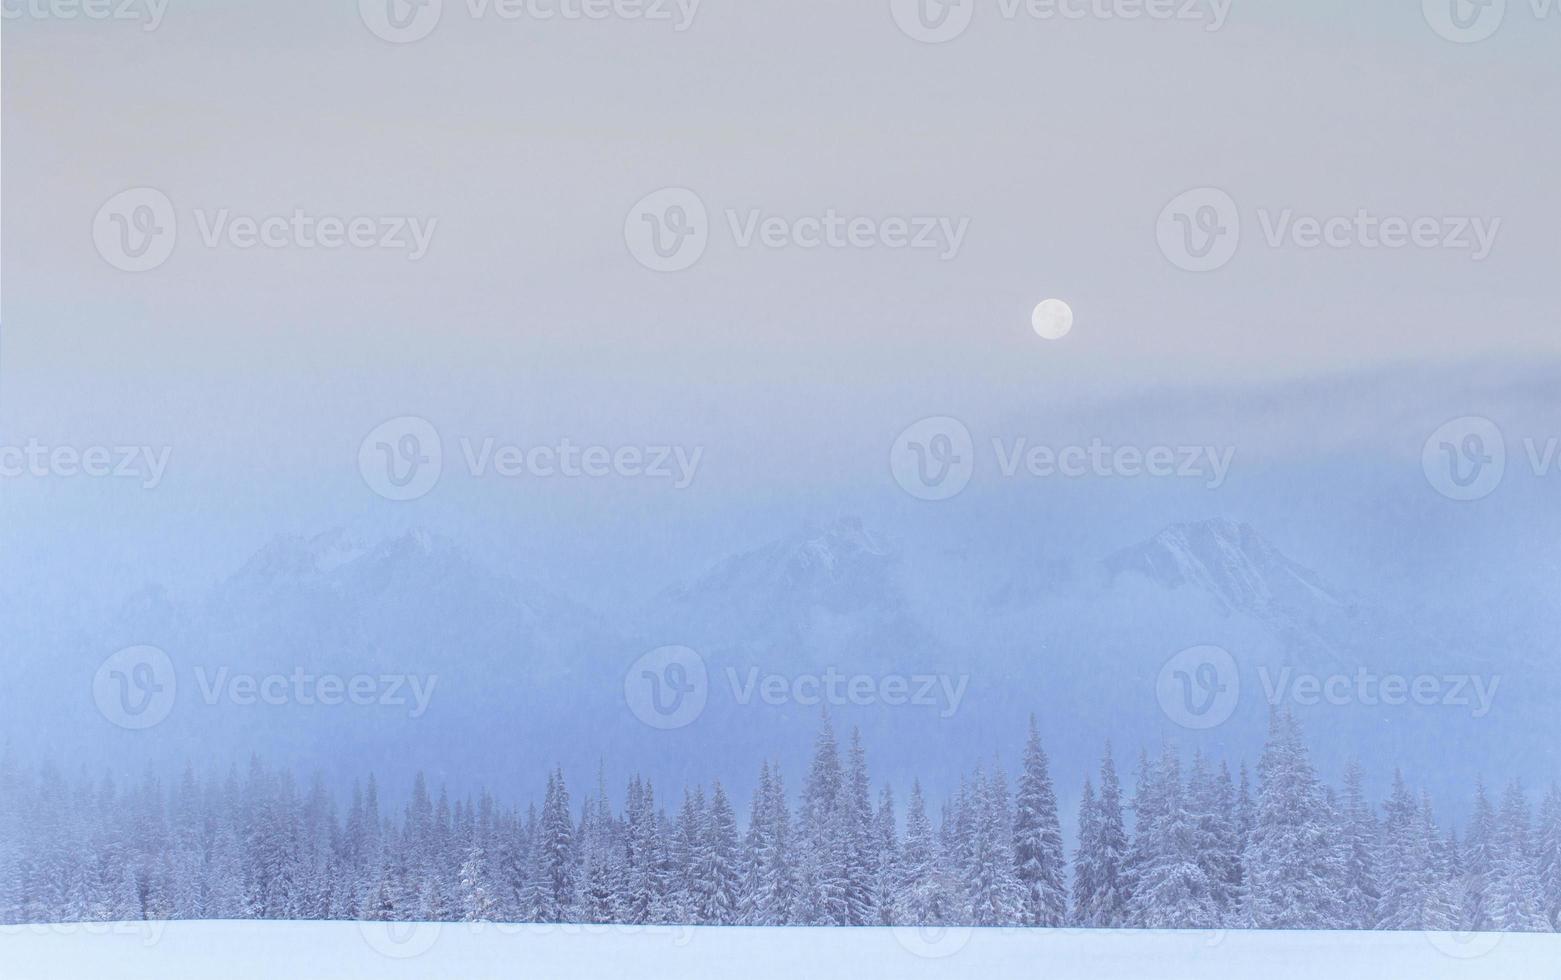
(822, 593)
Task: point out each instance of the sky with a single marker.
(1056, 142)
(1038, 158)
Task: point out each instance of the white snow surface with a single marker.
(341, 950)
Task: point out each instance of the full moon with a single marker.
(1052, 319)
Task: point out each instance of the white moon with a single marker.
(1052, 319)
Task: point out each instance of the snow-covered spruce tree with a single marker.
(886, 859)
(1405, 866)
(715, 872)
(860, 843)
(1444, 890)
(1479, 862)
(1170, 889)
(479, 903)
(1112, 888)
(750, 901)
(1516, 904)
(992, 887)
(1292, 866)
(553, 855)
(779, 878)
(1085, 876)
(822, 896)
(923, 894)
(1547, 858)
(1358, 844)
(1039, 862)
(1211, 807)
(603, 871)
(688, 841)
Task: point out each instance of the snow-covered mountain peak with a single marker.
(1229, 560)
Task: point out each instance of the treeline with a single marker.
(1206, 850)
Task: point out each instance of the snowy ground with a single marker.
(241, 950)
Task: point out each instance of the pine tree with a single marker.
(716, 878)
(1210, 806)
(1515, 894)
(886, 859)
(1170, 889)
(822, 896)
(924, 897)
(994, 893)
(1548, 857)
(860, 846)
(603, 869)
(1086, 875)
(554, 862)
(750, 905)
(779, 878)
(1480, 862)
(1037, 841)
(688, 841)
(1406, 861)
(1293, 871)
(1360, 894)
